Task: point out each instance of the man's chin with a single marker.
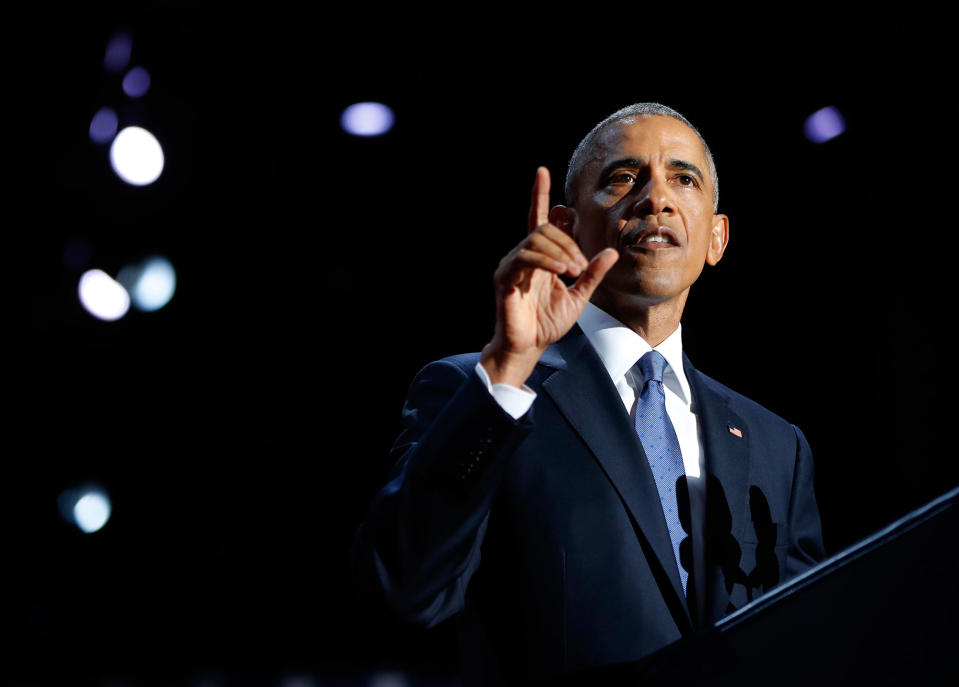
(647, 288)
(638, 294)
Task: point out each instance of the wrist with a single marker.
(508, 367)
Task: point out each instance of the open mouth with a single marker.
(650, 237)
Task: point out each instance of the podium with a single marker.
(882, 612)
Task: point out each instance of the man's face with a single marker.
(645, 190)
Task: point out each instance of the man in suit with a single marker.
(530, 495)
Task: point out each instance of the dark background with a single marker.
(242, 430)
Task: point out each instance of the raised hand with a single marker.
(534, 307)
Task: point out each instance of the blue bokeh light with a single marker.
(103, 126)
(76, 254)
(136, 83)
(825, 124)
(367, 119)
(117, 55)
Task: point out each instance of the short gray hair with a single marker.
(636, 110)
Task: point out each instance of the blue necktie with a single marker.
(659, 440)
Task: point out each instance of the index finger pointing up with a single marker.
(539, 203)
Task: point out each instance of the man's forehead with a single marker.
(640, 136)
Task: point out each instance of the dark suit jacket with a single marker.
(546, 534)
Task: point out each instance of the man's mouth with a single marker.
(650, 237)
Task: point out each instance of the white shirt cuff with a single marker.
(514, 400)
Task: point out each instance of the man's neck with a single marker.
(654, 321)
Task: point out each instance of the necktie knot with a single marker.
(652, 365)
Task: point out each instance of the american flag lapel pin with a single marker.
(735, 431)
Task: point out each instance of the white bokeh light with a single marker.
(102, 296)
(136, 156)
(151, 284)
(367, 119)
(91, 511)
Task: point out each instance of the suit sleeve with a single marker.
(806, 544)
(420, 542)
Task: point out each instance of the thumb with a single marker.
(594, 273)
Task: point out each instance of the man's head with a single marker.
(632, 112)
(642, 182)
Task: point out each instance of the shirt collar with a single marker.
(619, 348)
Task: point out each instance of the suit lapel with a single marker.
(583, 392)
(726, 447)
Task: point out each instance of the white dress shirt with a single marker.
(620, 348)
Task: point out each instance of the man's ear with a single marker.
(564, 218)
(718, 239)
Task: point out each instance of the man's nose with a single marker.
(653, 198)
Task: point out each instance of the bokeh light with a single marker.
(117, 56)
(390, 679)
(299, 681)
(367, 119)
(136, 156)
(76, 254)
(88, 508)
(136, 83)
(825, 124)
(151, 284)
(102, 296)
(103, 126)
(92, 511)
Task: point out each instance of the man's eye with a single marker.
(686, 180)
(622, 178)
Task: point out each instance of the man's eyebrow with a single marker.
(686, 167)
(622, 162)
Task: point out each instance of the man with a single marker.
(578, 493)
